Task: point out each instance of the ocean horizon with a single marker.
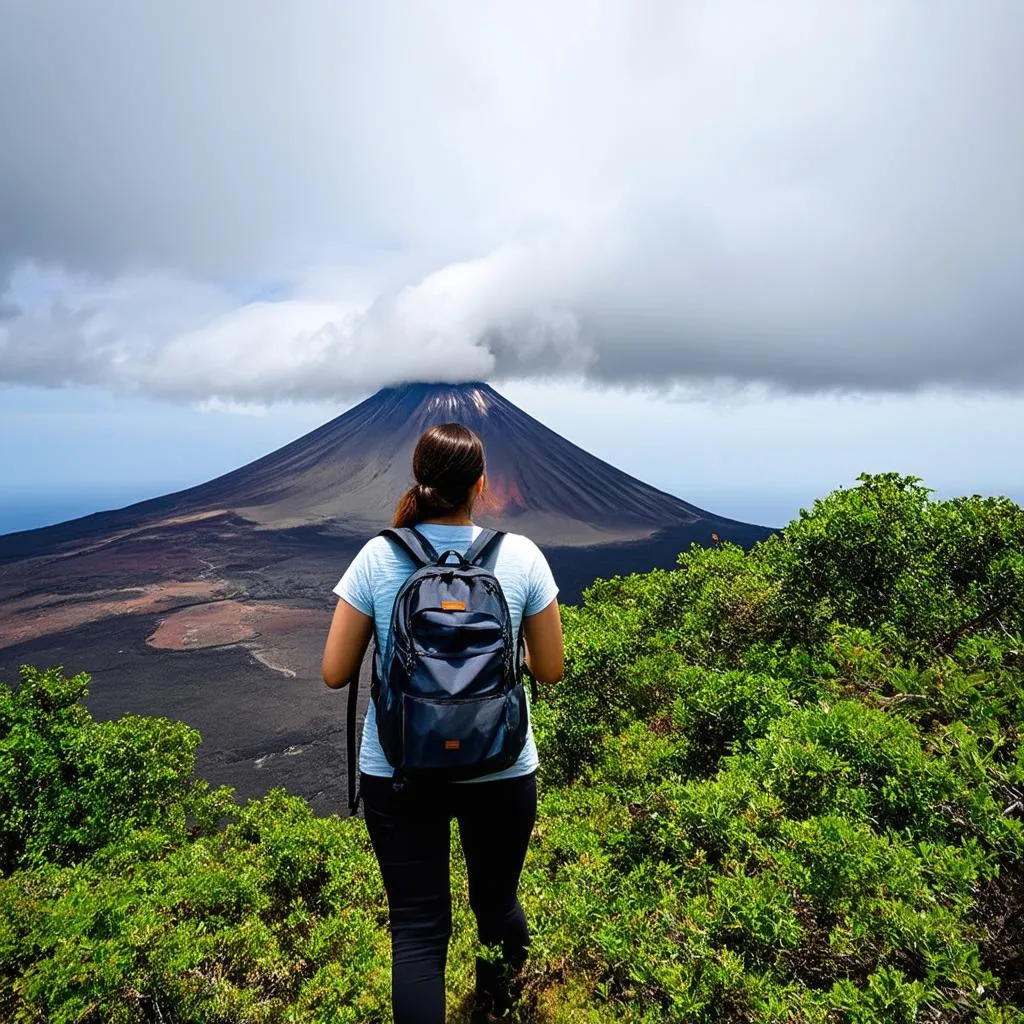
(33, 507)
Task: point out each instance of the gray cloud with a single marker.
(250, 202)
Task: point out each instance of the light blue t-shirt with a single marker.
(371, 584)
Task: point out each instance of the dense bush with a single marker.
(147, 916)
(784, 785)
(69, 785)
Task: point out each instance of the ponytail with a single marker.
(421, 502)
(407, 509)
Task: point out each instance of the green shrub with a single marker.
(784, 785)
(70, 785)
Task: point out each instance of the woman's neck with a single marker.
(455, 519)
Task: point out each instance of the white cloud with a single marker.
(807, 195)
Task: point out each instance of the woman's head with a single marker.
(448, 465)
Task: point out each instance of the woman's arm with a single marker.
(544, 651)
(347, 641)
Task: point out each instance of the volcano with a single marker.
(345, 477)
(211, 604)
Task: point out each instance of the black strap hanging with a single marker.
(526, 668)
(350, 742)
(533, 684)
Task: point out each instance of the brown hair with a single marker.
(447, 462)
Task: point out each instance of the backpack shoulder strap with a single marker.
(413, 543)
(483, 546)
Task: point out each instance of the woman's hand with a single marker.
(347, 641)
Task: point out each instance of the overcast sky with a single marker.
(774, 221)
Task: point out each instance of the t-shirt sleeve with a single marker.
(541, 588)
(354, 585)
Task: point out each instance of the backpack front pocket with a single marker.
(455, 734)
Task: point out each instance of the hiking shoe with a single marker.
(498, 988)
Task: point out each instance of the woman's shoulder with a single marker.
(377, 545)
(519, 548)
(377, 550)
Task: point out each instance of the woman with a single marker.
(409, 827)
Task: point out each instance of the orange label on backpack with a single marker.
(452, 744)
(453, 606)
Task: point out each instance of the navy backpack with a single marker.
(448, 687)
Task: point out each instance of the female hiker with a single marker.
(465, 629)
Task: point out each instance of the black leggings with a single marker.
(410, 835)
